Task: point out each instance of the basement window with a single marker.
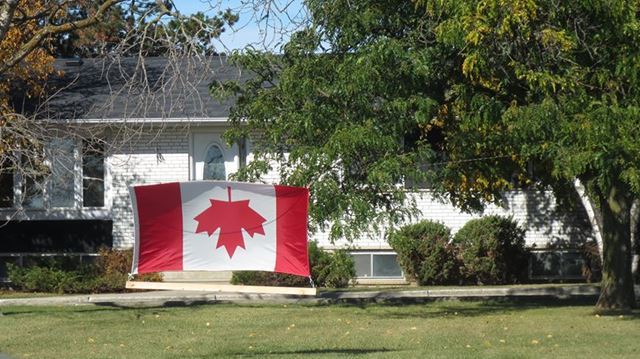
(556, 264)
(377, 265)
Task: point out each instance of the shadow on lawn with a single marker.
(52, 310)
(502, 306)
(328, 352)
(88, 309)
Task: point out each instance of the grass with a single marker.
(437, 329)
(11, 294)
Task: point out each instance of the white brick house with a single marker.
(177, 137)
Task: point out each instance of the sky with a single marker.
(254, 27)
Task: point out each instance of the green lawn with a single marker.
(439, 329)
(10, 294)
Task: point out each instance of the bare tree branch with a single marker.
(44, 32)
(7, 10)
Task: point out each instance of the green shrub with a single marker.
(108, 274)
(334, 270)
(50, 279)
(268, 279)
(493, 250)
(425, 254)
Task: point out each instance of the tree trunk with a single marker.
(635, 240)
(616, 291)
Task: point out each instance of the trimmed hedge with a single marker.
(108, 274)
(492, 250)
(425, 253)
(328, 269)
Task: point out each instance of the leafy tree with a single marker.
(468, 95)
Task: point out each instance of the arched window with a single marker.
(214, 164)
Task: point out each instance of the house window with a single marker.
(377, 265)
(33, 193)
(6, 187)
(92, 175)
(214, 164)
(61, 154)
(556, 264)
(67, 178)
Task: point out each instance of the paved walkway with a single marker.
(176, 298)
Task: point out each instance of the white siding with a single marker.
(546, 223)
(167, 159)
(148, 159)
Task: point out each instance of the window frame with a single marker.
(19, 189)
(209, 146)
(371, 254)
(561, 270)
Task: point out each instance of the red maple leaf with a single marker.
(231, 217)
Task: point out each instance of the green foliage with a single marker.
(425, 254)
(493, 250)
(342, 116)
(42, 279)
(328, 269)
(482, 95)
(268, 279)
(108, 274)
(335, 269)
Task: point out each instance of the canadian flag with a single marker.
(212, 226)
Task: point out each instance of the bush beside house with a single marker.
(108, 274)
(328, 269)
(425, 253)
(489, 250)
(492, 250)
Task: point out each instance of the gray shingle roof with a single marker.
(132, 88)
